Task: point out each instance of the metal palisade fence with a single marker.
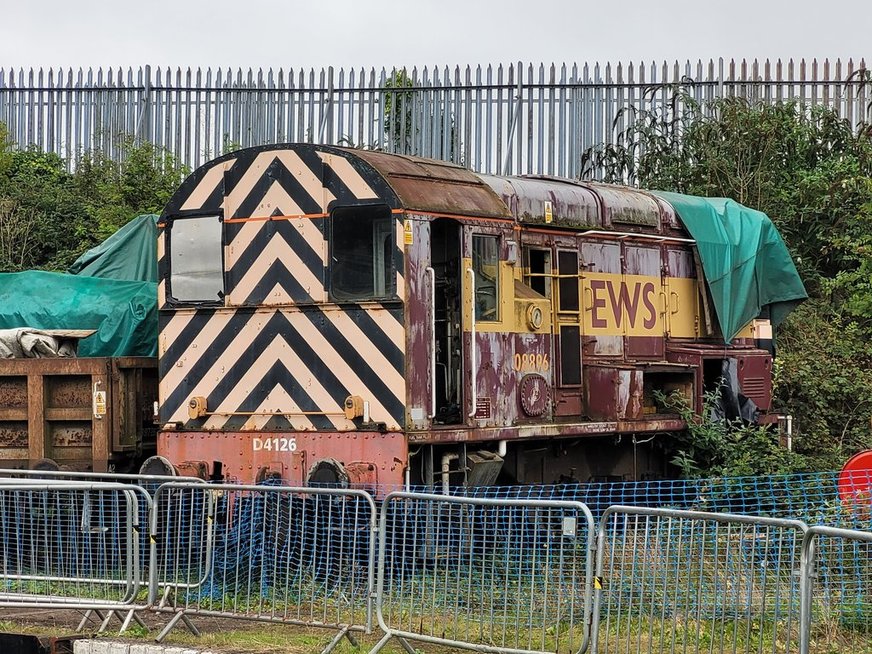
(514, 119)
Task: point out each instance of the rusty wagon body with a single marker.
(85, 414)
(344, 316)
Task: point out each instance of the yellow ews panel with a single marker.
(639, 305)
(622, 305)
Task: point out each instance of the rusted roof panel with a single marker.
(572, 205)
(579, 205)
(435, 186)
(440, 187)
(627, 206)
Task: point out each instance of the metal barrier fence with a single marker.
(504, 576)
(811, 497)
(72, 545)
(517, 119)
(148, 482)
(837, 593)
(293, 555)
(689, 581)
(145, 483)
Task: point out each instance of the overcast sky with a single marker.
(342, 33)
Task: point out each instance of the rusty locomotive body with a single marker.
(343, 316)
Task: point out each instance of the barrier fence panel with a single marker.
(837, 598)
(485, 574)
(301, 556)
(814, 498)
(687, 581)
(147, 483)
(71, 545)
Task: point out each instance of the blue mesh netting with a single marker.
(810, 497)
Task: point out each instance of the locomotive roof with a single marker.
(430, 186)
(441, 187)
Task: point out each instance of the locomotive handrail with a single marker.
(623, 235)
(472, 362)
(432, 274)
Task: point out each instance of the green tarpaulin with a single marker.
(129, 254)
(746, 264)
(123, 313)
(113, 290)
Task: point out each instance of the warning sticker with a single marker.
(408, 235)
(99, 403)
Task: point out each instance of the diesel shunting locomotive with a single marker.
(341, 316)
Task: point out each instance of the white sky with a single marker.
(343, 33)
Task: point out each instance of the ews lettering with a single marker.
(633, 302)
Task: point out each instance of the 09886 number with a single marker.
(529, 362)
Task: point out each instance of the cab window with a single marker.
(362, 245)
(196, 266)
(485, 265)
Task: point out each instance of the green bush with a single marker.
(725, 448)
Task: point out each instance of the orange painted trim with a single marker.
(312, 216)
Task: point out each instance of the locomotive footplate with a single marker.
(551, 430)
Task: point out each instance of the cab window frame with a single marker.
(386, 260)
(478, 312)
(170, 223)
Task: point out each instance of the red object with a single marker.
(855, 479)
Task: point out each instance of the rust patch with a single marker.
(68, 392)
(13, 434)
(13, 392)
(362, 473)
(71, 434)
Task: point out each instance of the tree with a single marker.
(405, 118)
(49, 215)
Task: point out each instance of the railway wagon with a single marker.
(83, 414)
(333, 315)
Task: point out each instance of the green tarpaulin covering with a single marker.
(123, 313)
(114, 291)
(746, 264)
(129, 254)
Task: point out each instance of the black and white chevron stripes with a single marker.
(283, 361)
(278, 355)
